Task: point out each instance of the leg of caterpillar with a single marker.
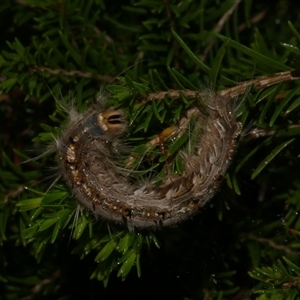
(86, 161)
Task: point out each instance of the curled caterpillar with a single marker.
(85, 152)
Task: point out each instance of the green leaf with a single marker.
(269, 158)
(291, 48)
(215, 70)
(29, 204)
(175, 79)
(126, 242)
(183, 79)
(15, 169)
(127, 265)
(52, 197)
(294, 267)
(157, 108)
(155, 240)
(235, 184)
(79, 227)
(178, 143)
(8, 84)
(30, 232)
(70, 48)
(283, 103)
(155, 77)
(47, 223)
(194, 58)
(294, 31)
(106, 250)
(270, 100)
(256, 55)
(293, 106)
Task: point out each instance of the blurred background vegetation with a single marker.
(244, 243)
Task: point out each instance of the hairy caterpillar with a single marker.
(86, 161)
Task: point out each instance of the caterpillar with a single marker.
(85, 154)
(87, 148)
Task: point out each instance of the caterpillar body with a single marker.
(86, 152)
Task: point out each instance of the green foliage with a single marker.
(59, 52)
(282, 282)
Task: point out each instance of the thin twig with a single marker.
(220, 26)
(261, 132)
(271, 244)
(231, 93)
(255, 19)
(228, 94)
(73, 73)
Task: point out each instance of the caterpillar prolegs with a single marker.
(86, 159)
